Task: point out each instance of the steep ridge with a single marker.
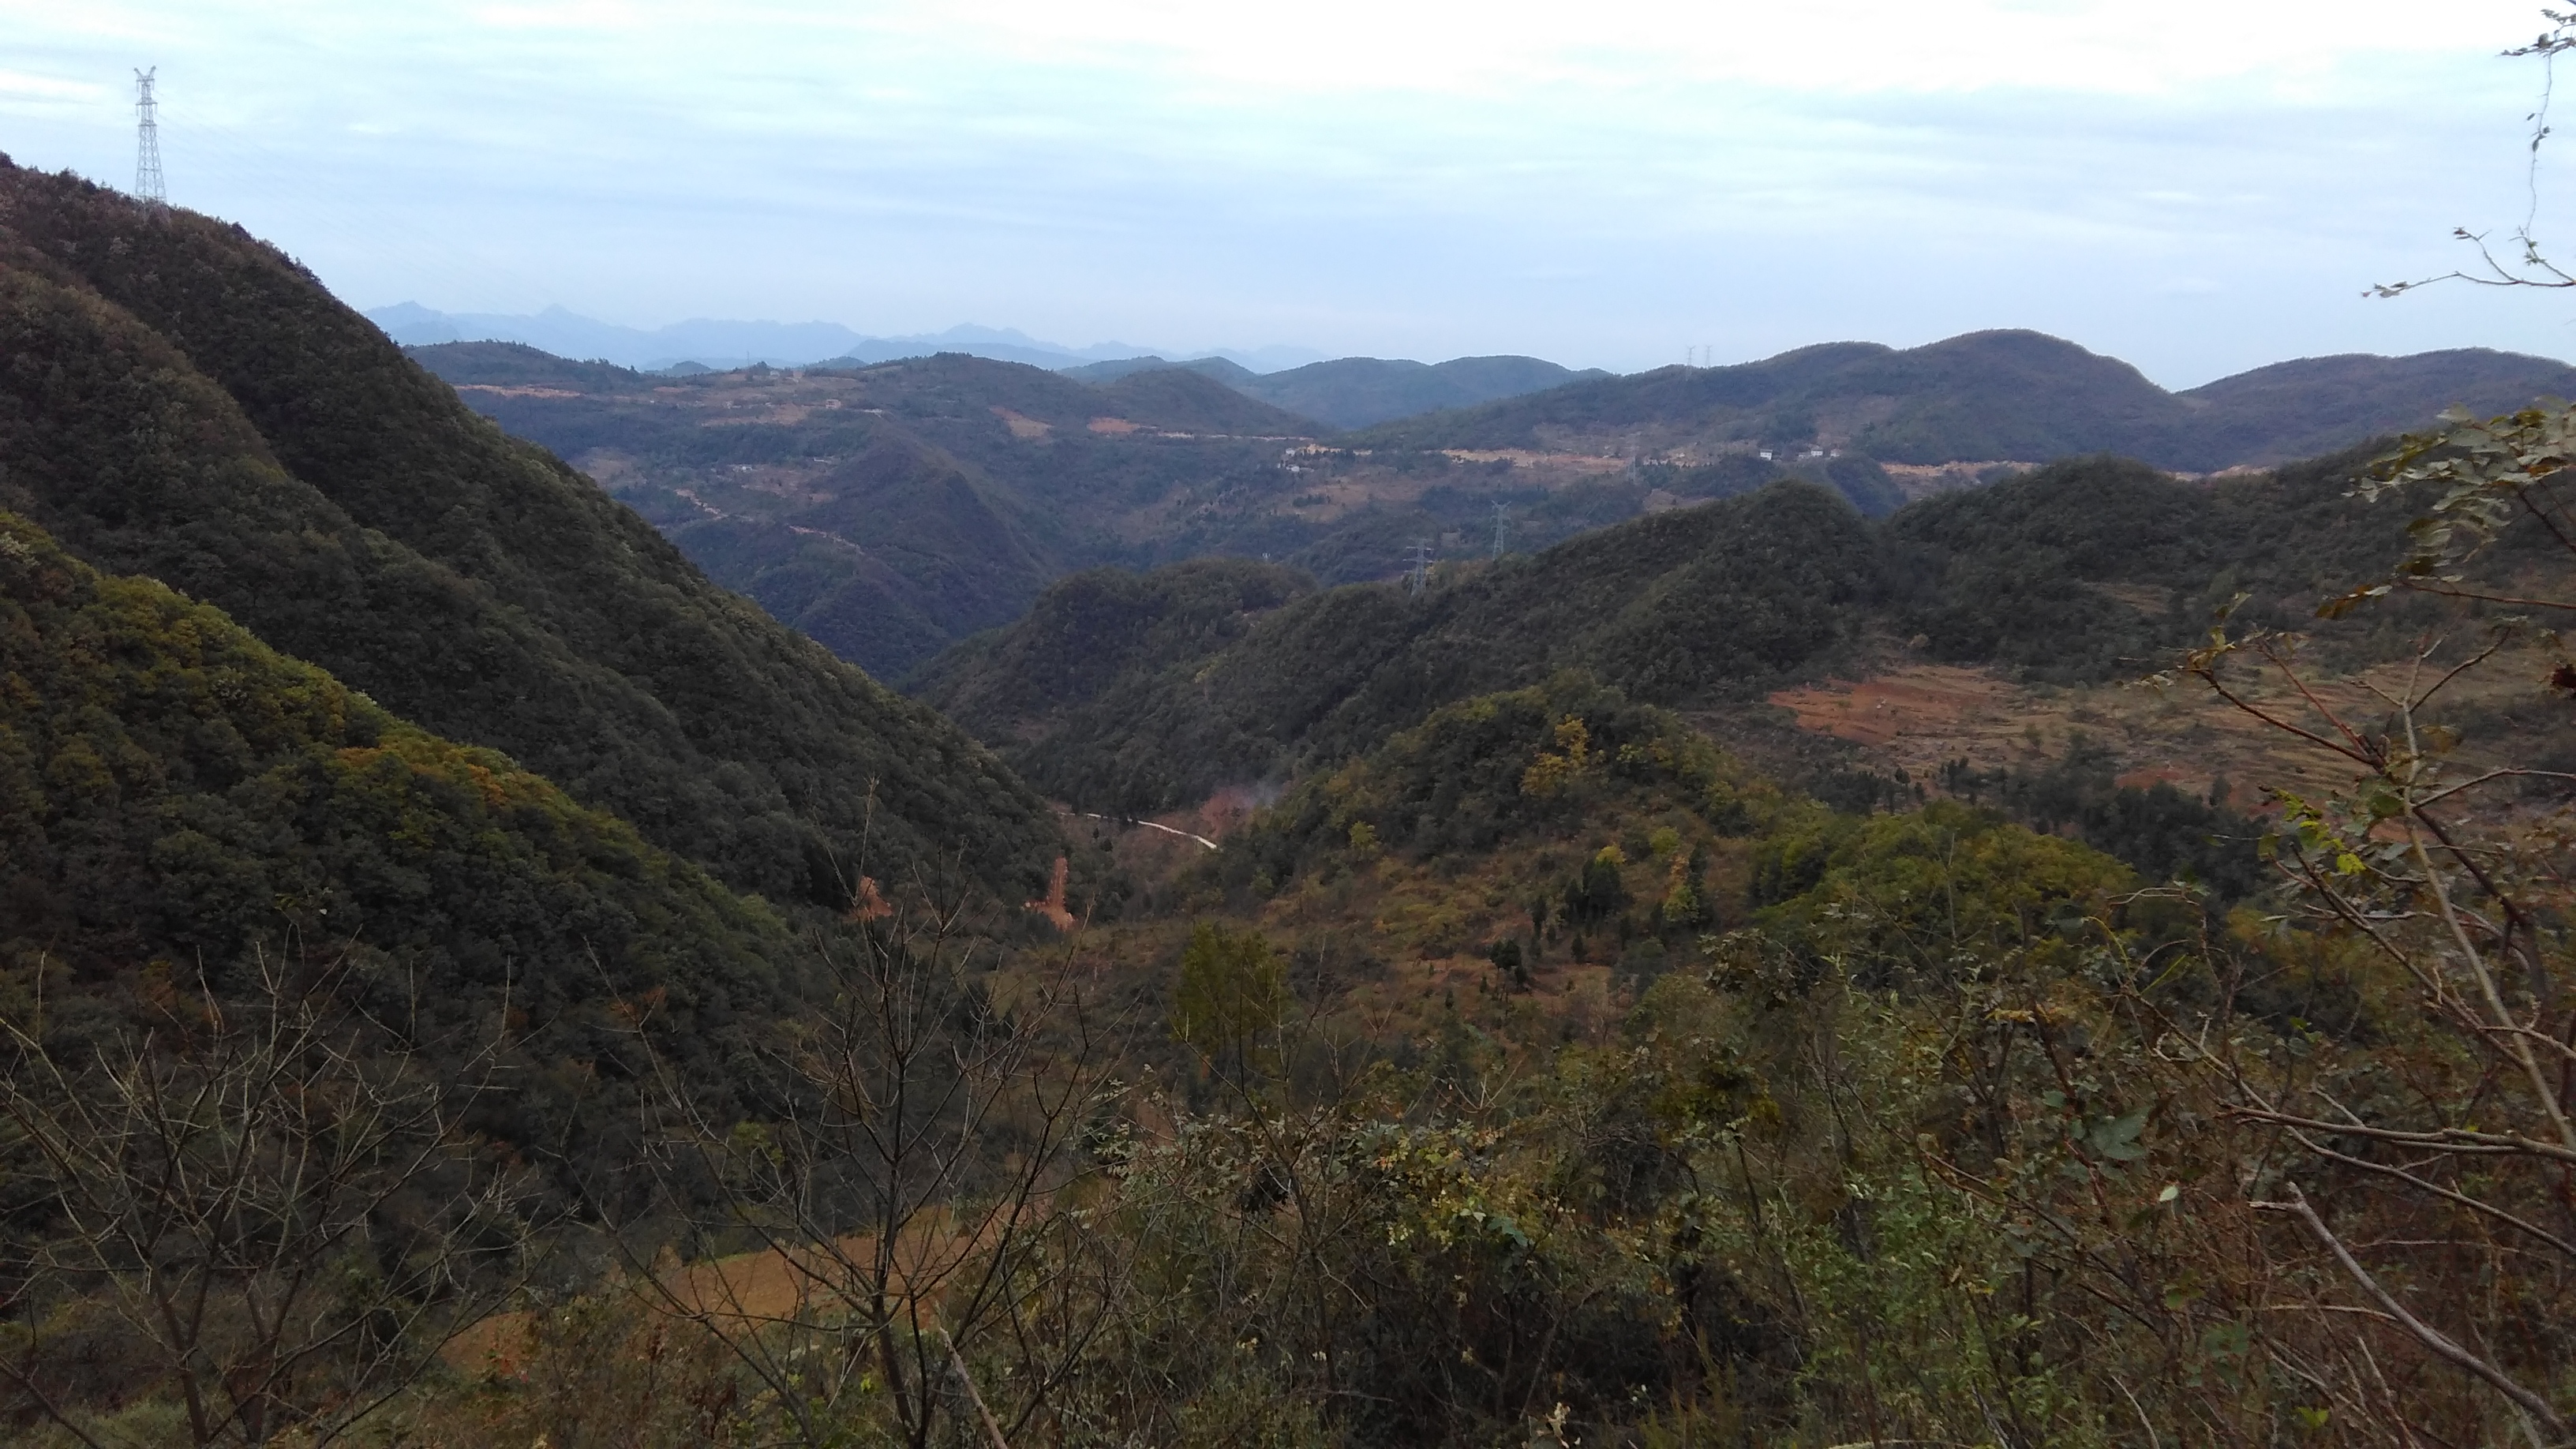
(1989, 396)
(178, 801)
(306, 477)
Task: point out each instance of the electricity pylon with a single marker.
(1418, 577)
(147, 142)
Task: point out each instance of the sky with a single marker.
(2196, 186)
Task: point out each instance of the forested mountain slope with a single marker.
(2082, 571)
(178, 803)
(776, 482)
(1353, 392)
(2316, 405)
(1985, 396)
(1680, 606)
(179, 400)
(1179, 399)
(890, 510)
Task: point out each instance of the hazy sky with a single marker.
(2197, 186)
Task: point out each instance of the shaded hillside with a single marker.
(891, 510)
(1182, 400)
(1692, 604)
(1093, 628)
(2319, 404)
(1354, 392)
(943, 556)
(2007, 395)
(1233, 374)
(1985, 395)
(176, 799)
(2083, 571)
(516, 364)
(293, 468)
(1156, 465)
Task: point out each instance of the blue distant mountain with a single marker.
(712, 342)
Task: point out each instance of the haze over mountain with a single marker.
(721, 343)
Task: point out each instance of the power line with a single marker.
(148, 186)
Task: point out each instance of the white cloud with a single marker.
(17, 86)
(1587, 180)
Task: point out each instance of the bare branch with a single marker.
(2434, 1339)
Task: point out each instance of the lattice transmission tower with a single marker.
(147, 141)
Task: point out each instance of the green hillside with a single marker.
(2319, 404)
(1094, 630)
(888, 511)
(2088, 570)
(1354, 392)
(516, 364)
(1692, 604)
(293, 468)
(1036, 475)
(178, 801)
(1232, 374)
(1182, 400)
(943, 557)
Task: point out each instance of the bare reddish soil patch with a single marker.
(1027, 429)
(1919, 717)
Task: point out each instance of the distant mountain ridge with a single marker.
(1345, 392)
(2003, 395)
(890, 510)
(1991, 396)
(1354, 392)
(721, 343)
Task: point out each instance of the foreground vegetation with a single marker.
(1540, 1074)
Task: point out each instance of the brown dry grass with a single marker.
(740, 1292)
(1919, 717)
(1027, 429)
